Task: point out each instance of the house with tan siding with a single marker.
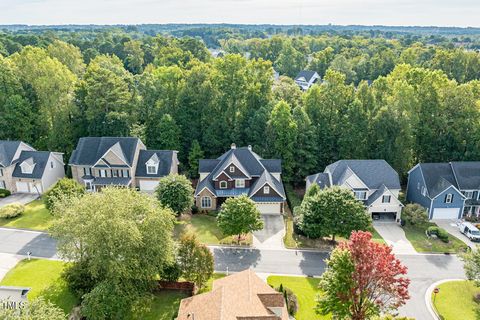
(98, 162)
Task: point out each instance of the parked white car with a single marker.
(470, 231)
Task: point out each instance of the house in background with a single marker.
(374, 182)
(25, 170)
(242, 295)
(120, 161)
(305, 79)
(447, 190)
(240, 171)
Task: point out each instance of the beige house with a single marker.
(120, 161)
(25, 170)
(239, 296)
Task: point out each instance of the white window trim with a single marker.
(104, 172)
(449, 198)
(266, 189)
(1, 172)
(2, 184)
(115, 173)
(358, 193)
(223, 182)
(469, 194)
(240, 185)
(207, 199)
(424, 191)
(150, 166)
(389, 198)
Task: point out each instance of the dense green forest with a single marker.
(401, 95)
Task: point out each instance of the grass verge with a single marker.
(455, 300)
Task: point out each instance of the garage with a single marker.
(445, 213)
(270, 207)
(384, 216)
(22, 187)
(148, 185)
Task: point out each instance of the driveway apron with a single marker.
(271, 236)
(394, 236)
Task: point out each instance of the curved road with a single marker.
(423, 270)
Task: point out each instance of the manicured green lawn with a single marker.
(43, 277)
(35, 217)
(306, 290)
(206, 229)
(416, 235)
(455, 300)
(163, 306)
(293, 240)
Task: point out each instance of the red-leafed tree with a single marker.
(363, 280)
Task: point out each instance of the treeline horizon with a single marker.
(405, 99)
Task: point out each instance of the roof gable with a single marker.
(467, 174)
(37, 159)
(437, 177)
(164, 160)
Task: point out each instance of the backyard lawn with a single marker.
(206, 230)
(43, 277)
(416, 235)
(35, 217)
(306, 290)
(455, 300)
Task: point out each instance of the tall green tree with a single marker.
(195, 260)
(194, 156)
(175, 192)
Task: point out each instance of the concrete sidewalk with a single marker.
(7, 262)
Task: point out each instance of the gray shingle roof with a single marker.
(467, 174)
(164, 156)
(90, 149)
(377, 194)
(307, 74)
(322, 179)
(247, 161)
(267, 178)
(438, 177)
(374, 173)
(7, 152)
(39, 158)
(118, 181)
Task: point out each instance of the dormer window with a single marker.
(27, 166)
(151, 169)
(232, 169)
(360, 195)
(266, 189)
(223, 185)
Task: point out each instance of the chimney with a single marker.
(233, 146)
(250, 147)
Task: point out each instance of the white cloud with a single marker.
(367, 12)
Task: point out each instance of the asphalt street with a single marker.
(423, 270)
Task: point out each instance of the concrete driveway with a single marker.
(394, 236)
(22, 198)
(7, 262)
(271, 236)
(452, 227)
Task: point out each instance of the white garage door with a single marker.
(445, 213)
(148, 185)
(273, 207)
(22, 187)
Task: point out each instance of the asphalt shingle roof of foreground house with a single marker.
(242, 295)
(164, 156)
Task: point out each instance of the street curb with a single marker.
(428, 297)
(23, 229)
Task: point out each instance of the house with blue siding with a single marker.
(447, 190)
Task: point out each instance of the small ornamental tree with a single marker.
(175, 192)
(331, 212)
(415, 214)
(363, 280)
(472, 266)
(239, 216)
(64, 190)
(195, 260)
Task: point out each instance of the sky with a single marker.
(460, 13)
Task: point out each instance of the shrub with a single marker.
(65, 189)
(290, 299)
(78, 278)
(171, 272)
(476, 298)
(415, 214)
(4, 193)
(442, 234)
(12, 210)
(194, 209)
